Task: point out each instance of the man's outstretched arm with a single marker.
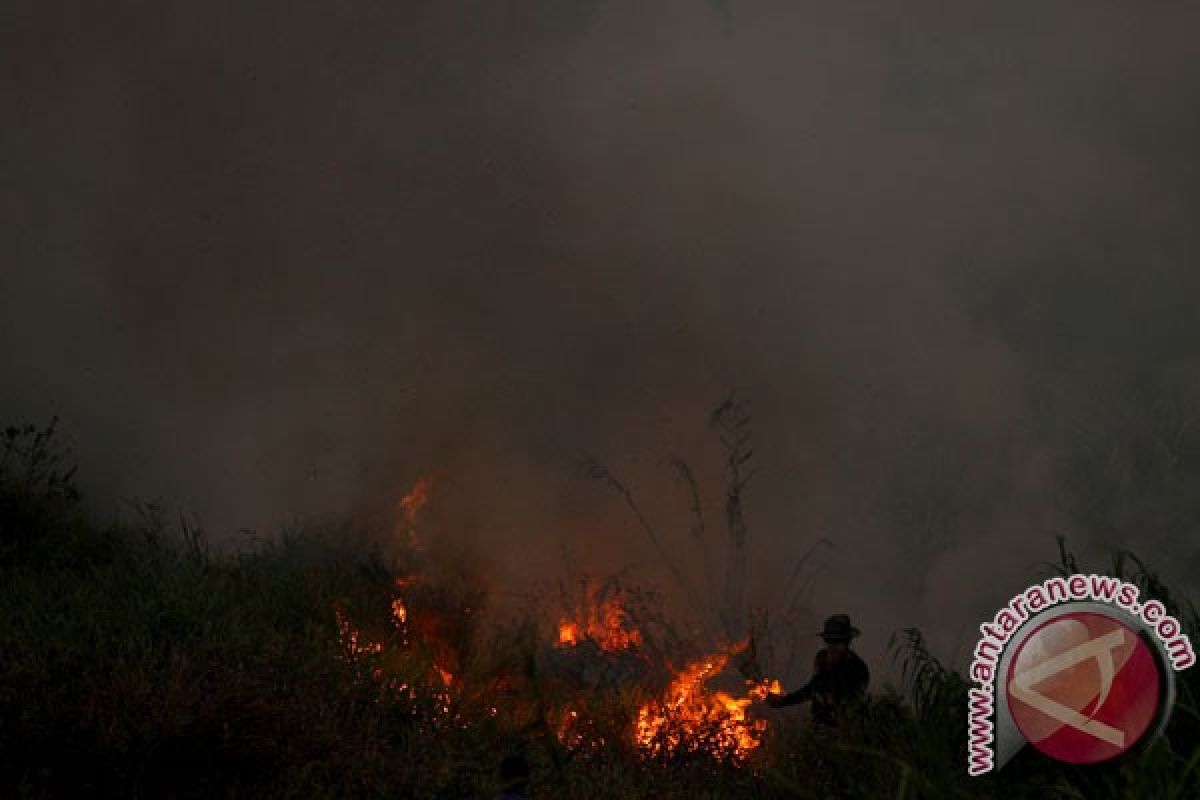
(801, 695)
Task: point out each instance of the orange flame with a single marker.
(568, 634)
(605, 623)
(691, 718)
(410, 506)
(446, 676)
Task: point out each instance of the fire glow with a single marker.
(690, 717)
(606, 623)
(410, 506)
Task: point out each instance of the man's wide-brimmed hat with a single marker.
(838, 629)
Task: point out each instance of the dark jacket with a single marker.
(833, 684)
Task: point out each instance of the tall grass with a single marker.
(135, 663)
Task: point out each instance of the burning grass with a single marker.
(600, 617)
(692, 718)
(134, 665)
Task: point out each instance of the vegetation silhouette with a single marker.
(137, 662)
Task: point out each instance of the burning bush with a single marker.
(692, 718)
(133, 667)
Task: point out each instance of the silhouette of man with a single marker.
(839, 675)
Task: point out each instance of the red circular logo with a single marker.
(1084, 687)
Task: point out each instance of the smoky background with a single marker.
(273, 262)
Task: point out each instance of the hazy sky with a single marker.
(275, 260)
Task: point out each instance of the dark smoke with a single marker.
(275, 260)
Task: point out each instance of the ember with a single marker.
(577, 733)
(356, 647)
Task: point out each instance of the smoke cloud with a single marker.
(275, 261)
